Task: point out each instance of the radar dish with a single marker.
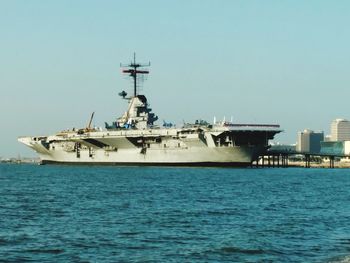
(123, 94)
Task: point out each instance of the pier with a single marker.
(280, 158)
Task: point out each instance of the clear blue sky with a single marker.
(284, 62)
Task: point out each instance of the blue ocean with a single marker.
(147, 214)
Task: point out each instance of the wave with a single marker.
(345, 259)
(46, 250)
(241, 250)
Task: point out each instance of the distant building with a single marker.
(328, 138)
(309, 141)
(283, 147)
(336, 147)
(340, 130)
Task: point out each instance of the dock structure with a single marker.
(280, 158)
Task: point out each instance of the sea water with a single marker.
(147, 214)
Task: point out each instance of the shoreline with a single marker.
(301, 164)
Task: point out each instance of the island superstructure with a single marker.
(135, 139)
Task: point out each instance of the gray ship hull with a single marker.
(225, 157)
(163, 147)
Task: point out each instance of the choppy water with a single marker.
(111, 214)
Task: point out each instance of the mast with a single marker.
(133, 70)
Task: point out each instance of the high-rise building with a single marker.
(340, 130)
(309, 141)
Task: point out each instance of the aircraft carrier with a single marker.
(136, 139)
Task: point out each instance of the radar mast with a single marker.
(133, 70)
